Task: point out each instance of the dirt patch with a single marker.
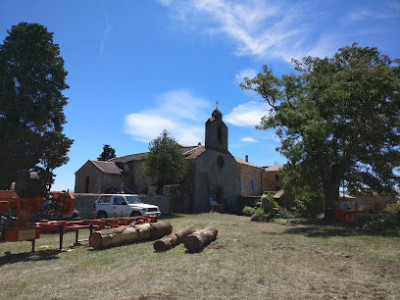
(218, 245)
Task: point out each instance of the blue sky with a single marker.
(137, 67)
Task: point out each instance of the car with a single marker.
(124, 205)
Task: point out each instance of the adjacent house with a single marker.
(251, 178)
(272, 180)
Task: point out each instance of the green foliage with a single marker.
(32, 78)
(249, 211)
(338, 122)
(274, 203)
(385, 223)
(165, 162)
(393, 209)
(108, 153)
(309, 204)
(259, 212)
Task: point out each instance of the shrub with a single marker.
(259, 212)
(309, 204)
(382, 224)
(249, 211)
(274, 203)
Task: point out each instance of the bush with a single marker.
(249, 211)
(393, 209)
(261, 216)
(382, 224)
(259, 212)
(309, 204)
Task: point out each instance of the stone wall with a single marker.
(247, 174)
(84, 203)
(272, 181)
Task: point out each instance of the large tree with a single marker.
(165, 163)
(108, 153)
(32, 78)
(338, 121)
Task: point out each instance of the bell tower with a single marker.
(216, 132)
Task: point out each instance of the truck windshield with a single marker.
(132, 199)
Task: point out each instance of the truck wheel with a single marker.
(135, 214)
(101, 215)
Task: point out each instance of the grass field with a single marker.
(277, 260)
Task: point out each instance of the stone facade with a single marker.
(90, 178)
(272, 180)
(215, 176)
(251, 178)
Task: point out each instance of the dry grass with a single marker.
(249, 260)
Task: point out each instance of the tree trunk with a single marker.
(199, 239)
(169, 241)
(129, 234)
(331, 189)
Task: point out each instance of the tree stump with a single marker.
(169, 241)
(129, 234)
(199, 239)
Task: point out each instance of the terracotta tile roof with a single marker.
(194, 152)
(190, 152)
(128, 158)
(274, 168)
(246, 163)
(107, 167)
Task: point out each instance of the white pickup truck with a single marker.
(110, 205)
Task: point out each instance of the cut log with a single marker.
(199, 239)
(129, 234)
(169, 241)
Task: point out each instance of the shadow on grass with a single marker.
(324, 228)
(12, 258)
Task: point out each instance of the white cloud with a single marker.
(249, 140)
(284, 29)
(106, 33)
(259, 28)
(247, 114)
(249, 73)
(178, 111)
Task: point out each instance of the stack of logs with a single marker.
(161, 232)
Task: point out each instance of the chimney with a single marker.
(247, 158)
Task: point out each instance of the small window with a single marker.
(118, 200)
(276, 177)
(253, 185)
(220, 161)
(105, 200)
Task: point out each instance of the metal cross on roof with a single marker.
(217, 104)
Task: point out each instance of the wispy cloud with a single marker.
(178, 111)
(107, 30)
(249, 140)
(247, 114)
(279, 29)
(249, 73)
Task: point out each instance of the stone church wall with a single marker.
(216, 176)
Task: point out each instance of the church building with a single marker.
(213, 173)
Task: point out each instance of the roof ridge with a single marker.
(194, 148)
(112, 159)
